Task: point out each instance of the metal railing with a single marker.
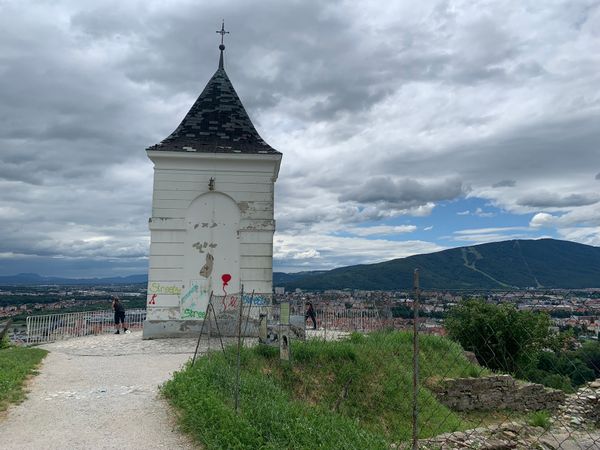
(363, 320)
(52, 327)
(333, 318)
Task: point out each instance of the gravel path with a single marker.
(100, 392)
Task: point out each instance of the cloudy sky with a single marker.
(406, 127)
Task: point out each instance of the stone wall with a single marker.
(581, 410)
(495, 393)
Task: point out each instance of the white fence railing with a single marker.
(348, 320)
(338, 319)
(52, 327)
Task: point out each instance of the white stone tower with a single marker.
(212, 211)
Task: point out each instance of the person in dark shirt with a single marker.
(310, 312)
(119, 310)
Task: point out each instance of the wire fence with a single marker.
(420, 369)
(52, 327)
(444, 369)
(533, 360)
(348, 320)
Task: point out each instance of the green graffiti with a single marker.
(191, 314)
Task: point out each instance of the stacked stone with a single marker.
(494, 393)
(581, 410)
(508, 436)
(574, 427)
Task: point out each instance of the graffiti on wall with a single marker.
(225, 278)
(229, 302)
(162, 294)
(194, 300)
(256, 300)
(192, 314)
(160, 288)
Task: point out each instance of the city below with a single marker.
(578, 310)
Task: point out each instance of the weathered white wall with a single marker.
(211, 260)
(242, 207)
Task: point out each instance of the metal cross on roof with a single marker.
(222, 31)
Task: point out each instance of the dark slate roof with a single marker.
(216, 123)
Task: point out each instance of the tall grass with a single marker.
(349, 394)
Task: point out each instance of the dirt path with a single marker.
(100, 392)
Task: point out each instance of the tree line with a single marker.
(523, 344)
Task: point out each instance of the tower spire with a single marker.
(222, 32)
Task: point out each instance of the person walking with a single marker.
(119, 310)
(310, 313)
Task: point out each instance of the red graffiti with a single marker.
(226, 279)
(229, 302)
(152, 300)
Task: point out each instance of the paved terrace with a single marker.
(100, 392)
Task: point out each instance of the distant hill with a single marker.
(543, 263)
(280, 278)
(35, 279)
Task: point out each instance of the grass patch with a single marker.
(4, 342)
(355, 393)
(16, 364)
(539, 419)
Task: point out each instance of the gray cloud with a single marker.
(554, 200)
(526, 152)
(403, 193)
(505, 183)
(379, 111)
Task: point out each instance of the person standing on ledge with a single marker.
(310, 312)
(119, 310)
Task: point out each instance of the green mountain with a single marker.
(281, 278)
(543, 263)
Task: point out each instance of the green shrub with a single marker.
(539, 419)
(4, 342)
(502, 337)
(589, 353)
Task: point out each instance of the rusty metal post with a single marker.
(415, 411)
(202, 327)
(247, 317)
(239, 349)
(207, 316)
(324, 320)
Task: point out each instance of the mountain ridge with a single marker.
(541, 263)
(35, 279)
